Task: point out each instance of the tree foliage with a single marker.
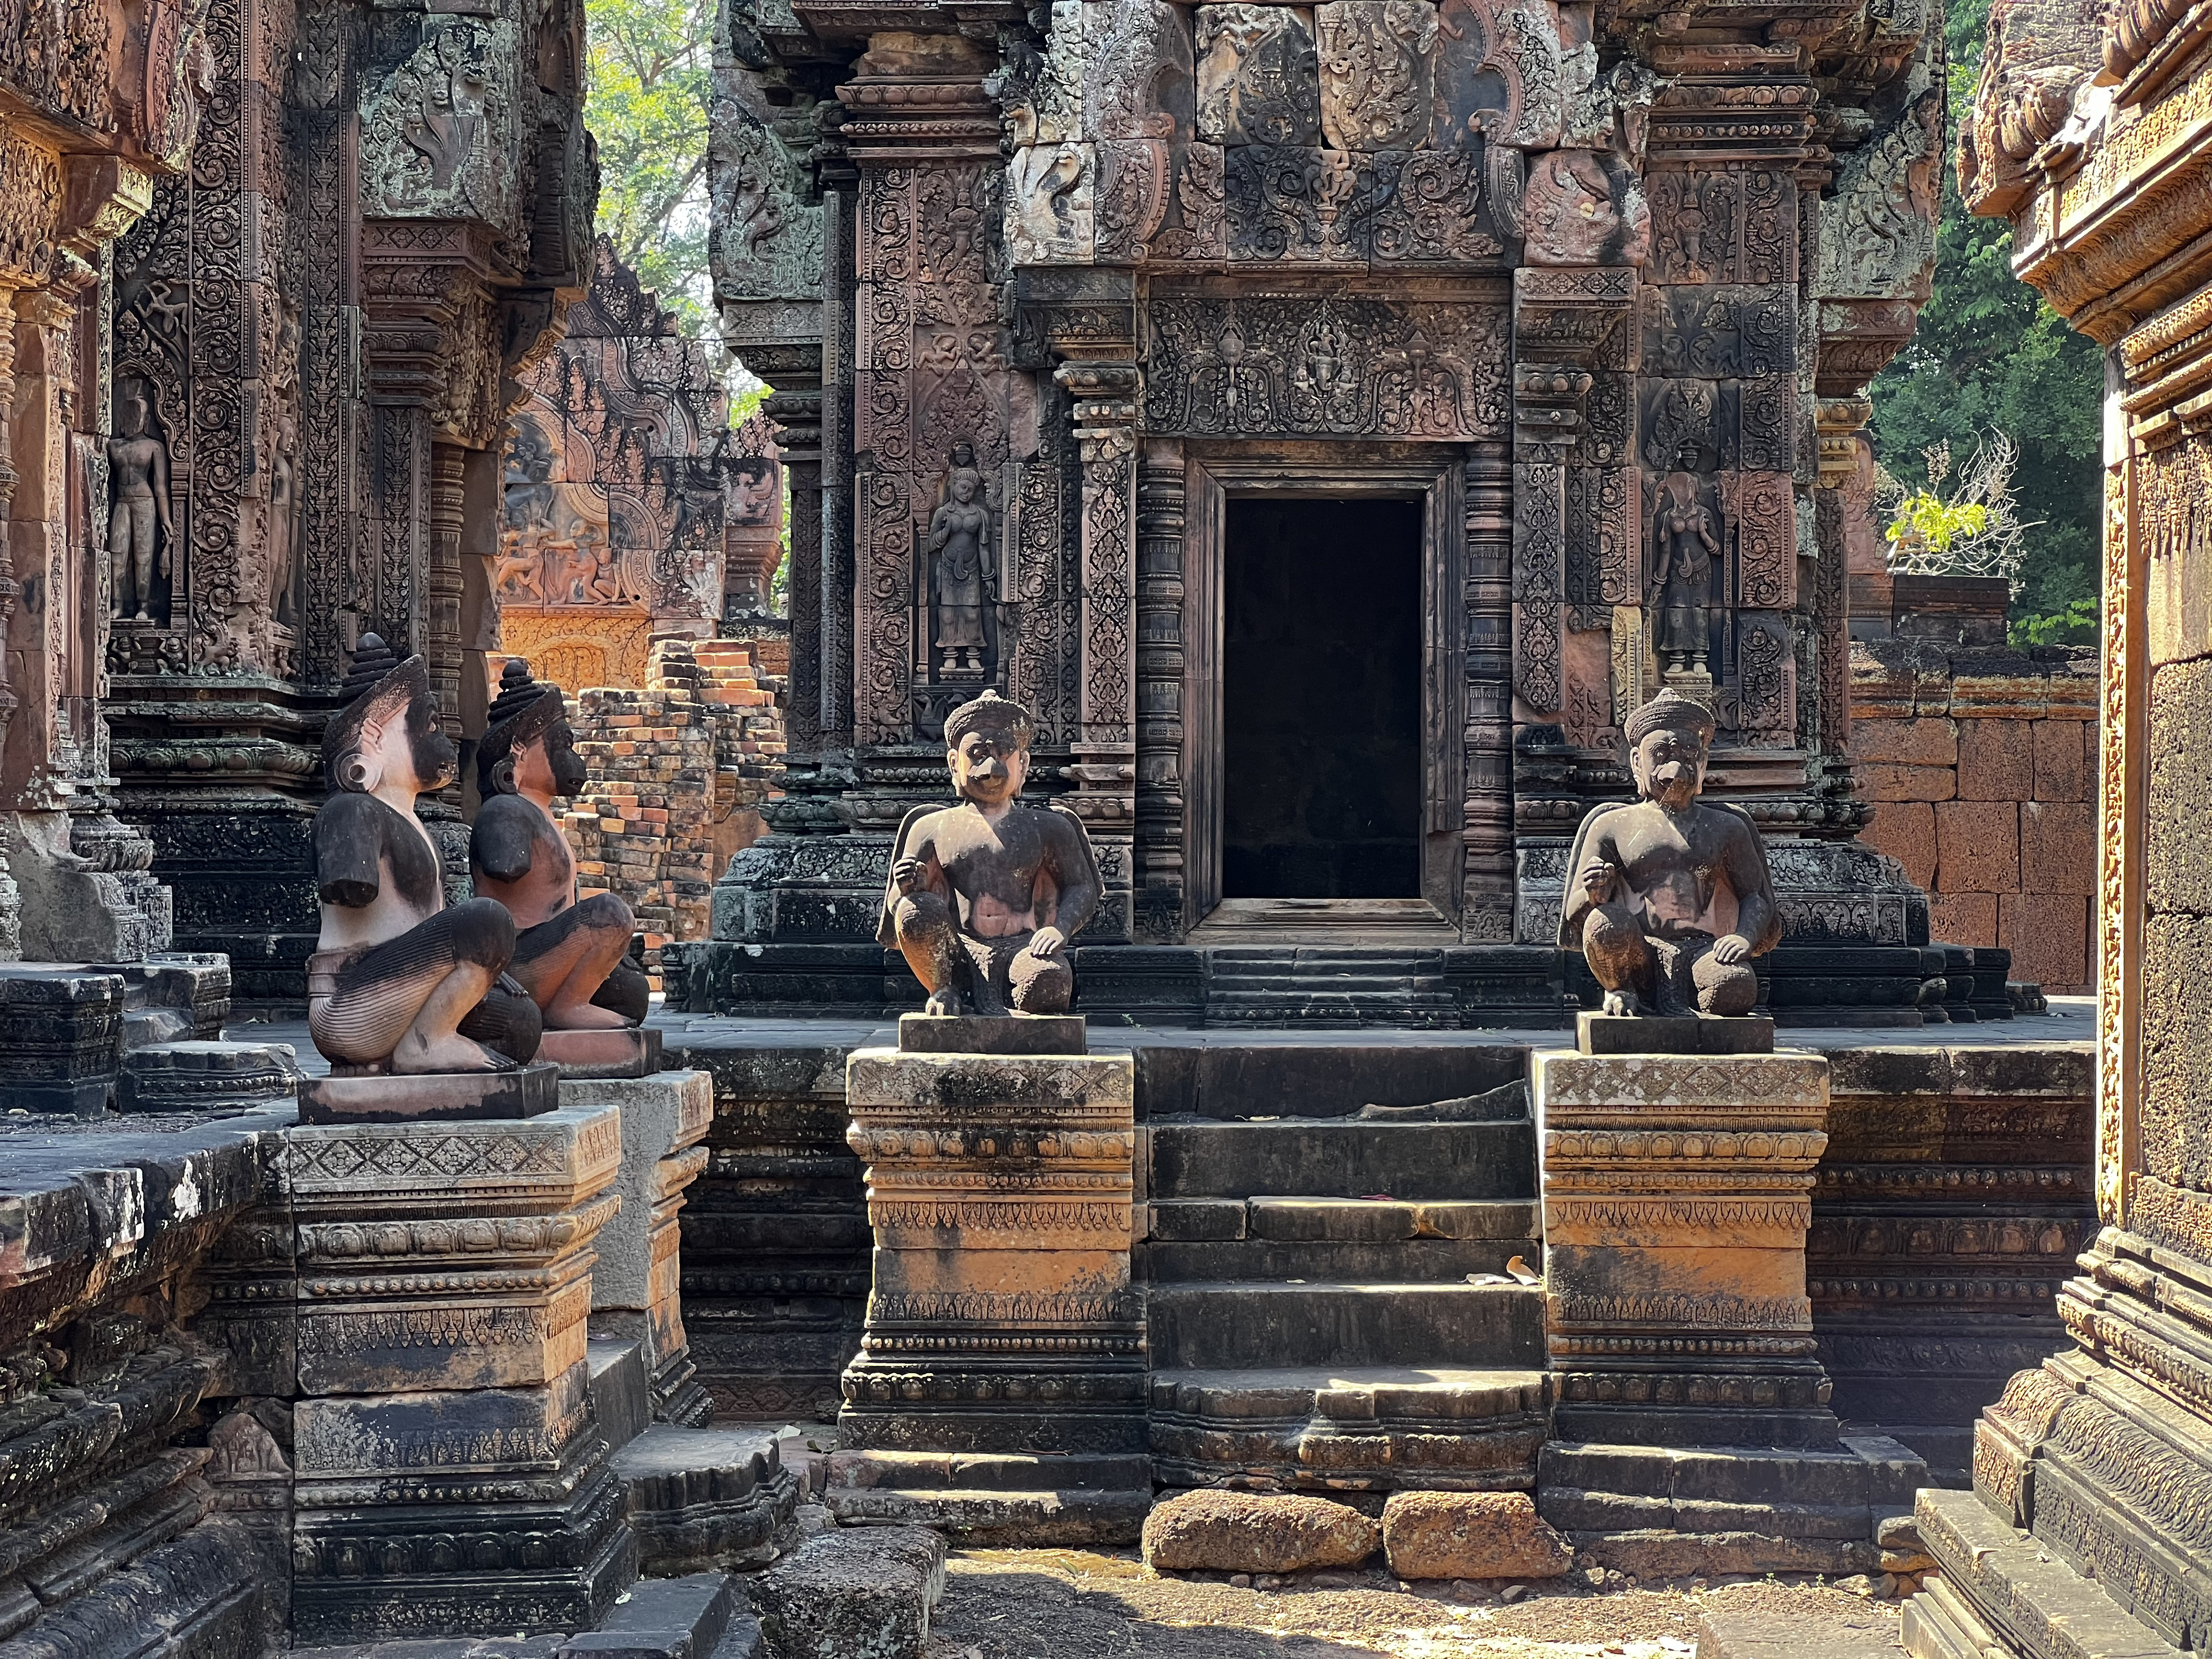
(651, 64)
(1989, 353)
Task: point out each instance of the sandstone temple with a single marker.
(1267, 876)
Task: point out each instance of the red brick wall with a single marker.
(677, 772)
(1980, 765)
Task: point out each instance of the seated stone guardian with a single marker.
(396, 972)
(984, 896)
(1669, 898)
(570, 956)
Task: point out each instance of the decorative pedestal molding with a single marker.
(1694, 1433)
(637, 1286)
(999, 1390)
(450, 1469)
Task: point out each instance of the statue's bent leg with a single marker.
(930, 944)
(403, 999)
(1724, 987)
(507, 1021)
(990, 963)
(626, 990)
(563, 961)
(1621, 958)
(1041, 985)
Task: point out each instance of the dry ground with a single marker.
(1081, 1604)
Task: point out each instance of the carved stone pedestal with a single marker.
(999, 1390)
(1693, 1428)
(451, 1473)
(637, 1286)
(633, 1051)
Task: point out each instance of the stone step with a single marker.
(704, 1497)
(1227, 1076)
(621, 1389)
(703, 1615)
(1344, 1158)
(1418, 1262)
(1372, 1428)
(1232, 1325)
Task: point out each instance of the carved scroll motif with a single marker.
(1763, 514)
(1539, 543)
(764, 238)
(1496, 75)
(1766, 677)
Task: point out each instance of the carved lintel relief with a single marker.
(436, 138)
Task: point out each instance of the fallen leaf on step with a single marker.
(1521, 1271)
(1377, 1198)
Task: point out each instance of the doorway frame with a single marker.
(1213, 473)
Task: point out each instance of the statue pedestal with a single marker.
(1692, 1424)
(430, 1096)
(451, 1473)
(634, 1051)
(999, 1389)
(637, 1285)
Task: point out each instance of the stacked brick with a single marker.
(677, 770)
(1981, 763)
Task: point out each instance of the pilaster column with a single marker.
(1486, 916)
(1159, 880)
(1105, 767)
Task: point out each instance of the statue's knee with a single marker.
(482, 933)
(1042, 985)
(1611, 929)
(1725, 988)
(921, 916)
(606, 913)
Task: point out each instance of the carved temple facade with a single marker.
(1492, 359)
(316, 330)
(2092, 131)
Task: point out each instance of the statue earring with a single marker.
(502, 775)
(354, 772)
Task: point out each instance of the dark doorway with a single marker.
(1322, 700)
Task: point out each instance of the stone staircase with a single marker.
(1312, 1322)
(1330, 985)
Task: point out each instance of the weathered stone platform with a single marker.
(999, 1389)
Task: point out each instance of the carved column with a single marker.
(1106, 753)
(1159, 880)
(1486, 916)
(11, 919)
(440, 641)
(840, 207)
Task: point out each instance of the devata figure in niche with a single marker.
(983, 896)
(960, 551)
(568, 955)
(400, 982)
(1669, 898)
(138, 514)
(1685, 542)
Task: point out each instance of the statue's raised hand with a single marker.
(1597, 878)
(907, 876)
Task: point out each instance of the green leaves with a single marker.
(1989, 354)
(651, 62)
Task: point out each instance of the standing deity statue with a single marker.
(984, 896)
(138, 514)
(960, 555)
(400, 981)
(1669, 898)
(568, 955)
(1684, 541)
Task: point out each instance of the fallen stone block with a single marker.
(857, 1593)
(1471, 1534)
(1249, 1532)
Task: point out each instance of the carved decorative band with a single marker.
(1684, 1347)
(1800, 1148)
(1770, 1313)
